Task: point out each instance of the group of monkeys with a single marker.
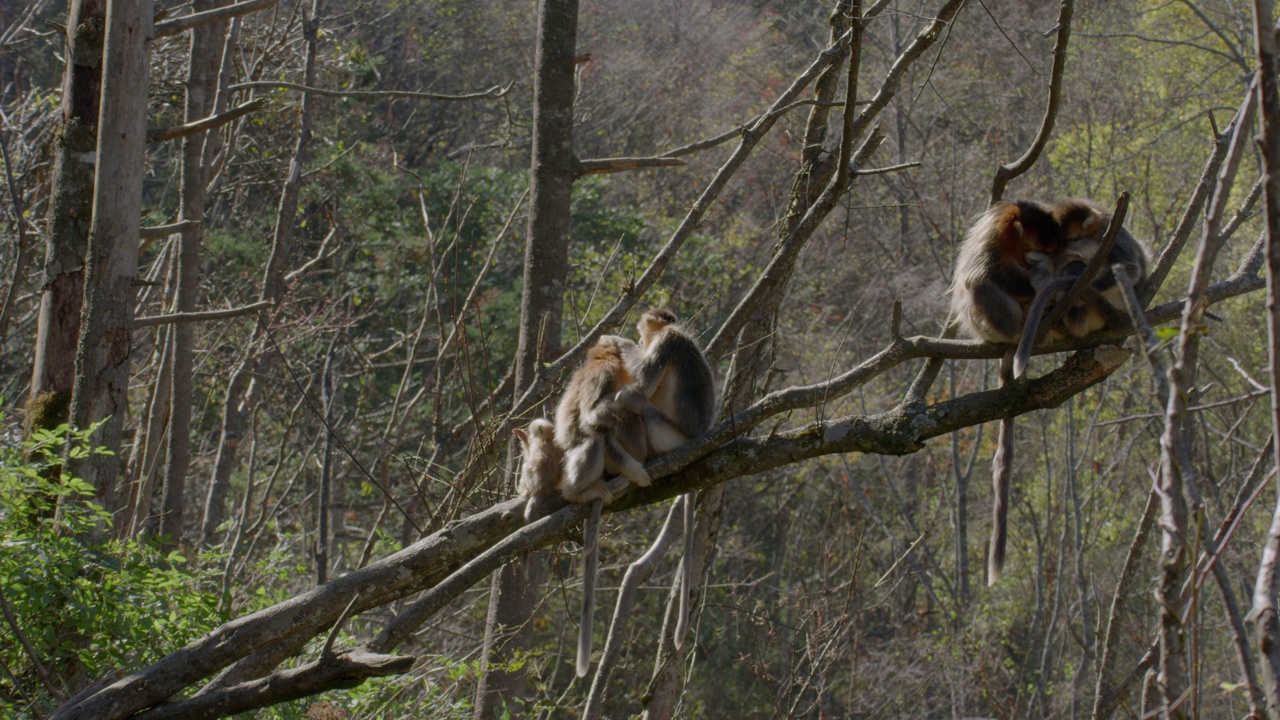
(625, 404)
(630, 402)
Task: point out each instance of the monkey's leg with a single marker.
(617, 461)
(590, 568)
(993, 311)
(1094, 312)
(1001, 476)
(583, 468)
(686, 574)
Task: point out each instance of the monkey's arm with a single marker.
(651, 372)
(663, 434)
(617, 461)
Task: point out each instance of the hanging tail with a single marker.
(590, 567)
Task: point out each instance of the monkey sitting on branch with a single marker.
(674, 392)
(1003, 256)
(597, 435)
(1016, 259)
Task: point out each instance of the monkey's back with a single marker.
(981, 281)
(592, 384)
(691, 397)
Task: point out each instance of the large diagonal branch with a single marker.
(472, 546)
(430, 561)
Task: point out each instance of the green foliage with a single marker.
(86, 607)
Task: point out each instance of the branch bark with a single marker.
(1009, 171)
(186, 22)
(1264, 615)
(1178, 485)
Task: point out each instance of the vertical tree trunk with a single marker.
(202, 75)
(102, 355)
(1264, 614)
(514, 589)
(243, 392)
(70, 211)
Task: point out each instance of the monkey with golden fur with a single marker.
(598, 435)
(993, 282)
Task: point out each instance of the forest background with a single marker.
(328, 337)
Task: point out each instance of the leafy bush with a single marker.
(83, 607)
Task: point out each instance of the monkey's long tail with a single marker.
(1032, 327)
(1001, 476)
(590, 566)
(686, 575)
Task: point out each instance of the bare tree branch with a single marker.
(209, 123)
(604, 166)
(1009, 171)
(494, 92)
(166, 28)
(173, 318)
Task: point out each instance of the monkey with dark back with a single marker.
(676, 379)
(997, 266)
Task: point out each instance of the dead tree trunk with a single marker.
(102, 355)
(514, 589)
(70, 211)
(202, 75)
(1264, 614)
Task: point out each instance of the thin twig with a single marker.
(174, 318)
(497, 91)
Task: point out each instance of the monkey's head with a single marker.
(1025, 226)
(654, 321)
(538, 430)
(1080, 219)
(612, 350)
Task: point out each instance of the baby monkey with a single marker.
(1082, 224)
(598, 435)
(675, 379)
(541, 469)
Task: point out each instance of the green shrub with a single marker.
(82, 607)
